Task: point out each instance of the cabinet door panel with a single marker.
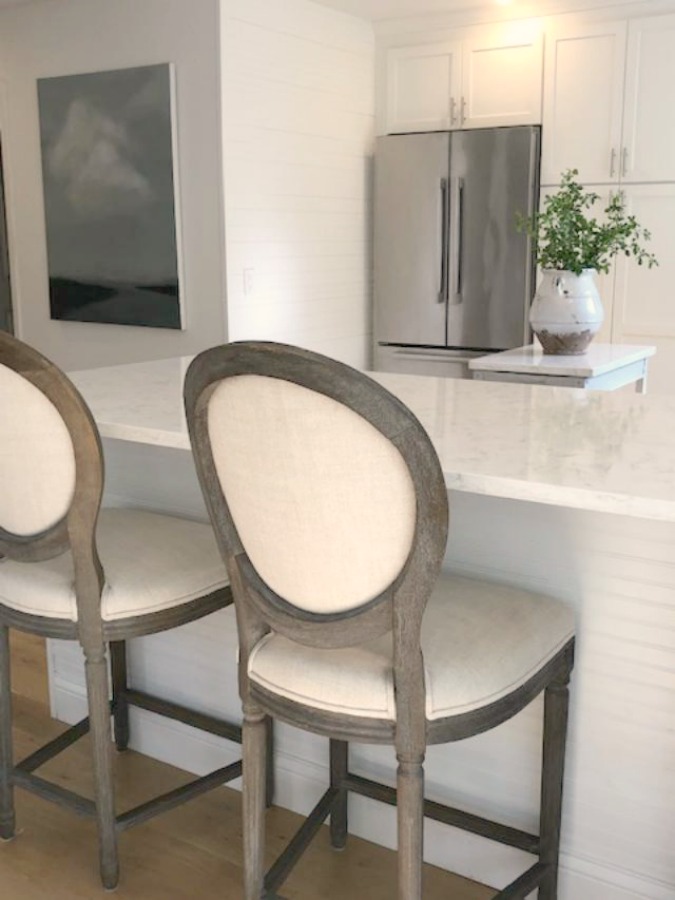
(583, 99)
(649, 124)
(644, 308)
(502, 77)
(422, 83)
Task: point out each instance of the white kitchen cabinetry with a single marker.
(423, 87)
(583, 101)
(486, 77)
(644, 302)
(502, 78)
(648, 146)
(604, 102)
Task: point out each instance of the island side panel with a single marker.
(616, 572)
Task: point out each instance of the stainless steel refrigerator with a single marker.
(453, 276)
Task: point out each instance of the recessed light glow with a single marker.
(504, 2)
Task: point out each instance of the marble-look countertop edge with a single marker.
(562, 496)
(571, 366)
(141, 435)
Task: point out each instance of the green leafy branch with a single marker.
(567, 237)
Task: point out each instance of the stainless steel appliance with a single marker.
(453, 276)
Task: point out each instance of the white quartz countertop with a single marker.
(598, 359)
(598, 451)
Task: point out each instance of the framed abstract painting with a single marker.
(108, 168)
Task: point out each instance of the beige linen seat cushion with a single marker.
(480, 641)
(151, 562)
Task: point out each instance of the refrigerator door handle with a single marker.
(456, 239)
(445, 275)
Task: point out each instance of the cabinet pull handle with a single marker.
(463, 111)
(612, 162)
(624, 161)
(453, 111)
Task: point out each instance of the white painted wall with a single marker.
(70, 36)
(298, 126)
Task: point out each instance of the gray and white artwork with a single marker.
(107, 166)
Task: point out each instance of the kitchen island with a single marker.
(556, 489)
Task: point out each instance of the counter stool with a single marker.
(331, 511)
(155, 572)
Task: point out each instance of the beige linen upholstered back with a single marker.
(37, 460)
(323, 503)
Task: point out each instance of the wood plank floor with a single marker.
(192, 852)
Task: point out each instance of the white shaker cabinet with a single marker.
(606, 107)
(583, 101)
(502, 77)
(648, 146)
(484, 77)
(423, 89)
(644, 300)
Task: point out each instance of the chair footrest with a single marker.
(449, 815)
(203, 721)
(523, 886)
(53, 748)
(48, 790)
(54, 792)
(171, 799)
(284, 863)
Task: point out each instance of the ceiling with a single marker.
(369, 9)
(386, 9)
(378, 10)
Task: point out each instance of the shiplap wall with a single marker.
(298, 126)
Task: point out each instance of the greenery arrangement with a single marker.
(567, 238)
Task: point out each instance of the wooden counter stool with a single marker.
(154, 572)
(330, 507)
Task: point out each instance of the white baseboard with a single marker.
(300, 783)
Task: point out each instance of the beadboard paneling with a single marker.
(298, 125)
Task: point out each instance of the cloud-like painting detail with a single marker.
(90, 159)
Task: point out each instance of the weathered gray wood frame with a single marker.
(398, 609)
(76, 533)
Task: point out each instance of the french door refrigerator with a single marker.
(453, 278)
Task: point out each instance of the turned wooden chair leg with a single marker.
(101, 745)
(120, 706)
(556, 701)
(269, 769)
(410, 802)
(254, 791)
(7, 818)
(339, 766)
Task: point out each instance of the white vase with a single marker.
(566, 312)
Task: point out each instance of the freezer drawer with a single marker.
(412, 361)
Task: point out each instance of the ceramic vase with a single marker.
(566, 312)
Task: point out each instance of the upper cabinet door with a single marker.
(644, 312)
(648, 152)
(502, 77)
(583, 99)
(423, 87)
